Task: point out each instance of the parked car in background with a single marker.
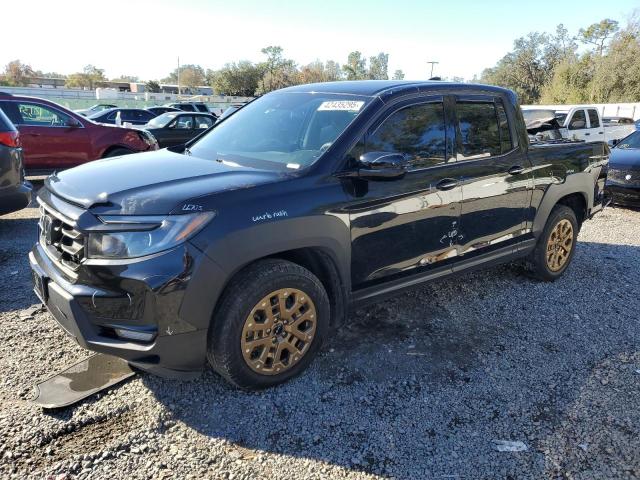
(617, 121)
(190, 106)
(160, 110)
(95, 109)
(134, 116)
(585, 123)
(54, 138)
(174, 128)
(623, 179)
(15, 191)
(248, 247)
(228, 112)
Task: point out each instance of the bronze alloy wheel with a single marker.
(559, 245)
(278, 332)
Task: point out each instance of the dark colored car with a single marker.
(623, 179)
(250, 244)
(134, 116)
(174, 128)
(55, 138)
(15, 192)
(160, 110)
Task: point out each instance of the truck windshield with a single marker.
(281, 130)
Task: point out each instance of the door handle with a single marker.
(516, 170)
(587, 134)
(600, 133)
(447, 184)
(32, 134)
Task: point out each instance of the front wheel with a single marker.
(271, 323)
(556, 246)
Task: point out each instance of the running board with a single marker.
(81, 380)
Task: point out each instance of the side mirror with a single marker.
(615, 141)
(382, 165)
(73, 123)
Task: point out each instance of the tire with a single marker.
(550, 258)
(255, 349)
(117, 152)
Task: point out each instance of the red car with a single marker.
(55, 138)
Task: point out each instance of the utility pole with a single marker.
(432, 64)
(179, 78)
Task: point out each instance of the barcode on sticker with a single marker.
(341, 105)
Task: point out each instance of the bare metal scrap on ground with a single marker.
(489, 375)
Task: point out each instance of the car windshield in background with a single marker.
(561, 117)
(632, 141)
(288, 129)
(161, 121)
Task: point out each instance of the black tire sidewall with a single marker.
(225, 335)
(559, 213)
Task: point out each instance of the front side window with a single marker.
(282, 130)
(201, 108)
(632, 141)
(479, 132)
(183, 122)
(593, 118)
(41, 116)
(417, 131)
(578, 121)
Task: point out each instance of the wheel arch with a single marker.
(570, 193)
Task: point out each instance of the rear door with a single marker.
(406, 225)
(496, 176)
(47, 139)
(596, 130)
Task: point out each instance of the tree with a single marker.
(526, 69)
(378, 67)
(191, 76)
(278, 72)
(398, 75)
(152, 86)
(355, 68)
(332, 71)
(598, 33)
(88, 78)
(16, 74)
(237, 79)
(320, 72)
(126, 78)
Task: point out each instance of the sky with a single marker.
(145, 38)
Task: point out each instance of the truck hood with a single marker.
(151, 183)
(624, 158)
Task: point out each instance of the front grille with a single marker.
(59, 237)
(626, 176)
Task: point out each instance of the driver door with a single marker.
(407, 225)
(577, 125)
(47, 139)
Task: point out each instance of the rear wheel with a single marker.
(270, 325)
(556, 246)
(117, 152)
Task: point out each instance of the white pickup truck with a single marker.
(582, 122)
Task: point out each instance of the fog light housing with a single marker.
(138, 334)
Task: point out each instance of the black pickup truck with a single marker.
(248, 245)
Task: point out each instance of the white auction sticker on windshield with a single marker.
(341, 105)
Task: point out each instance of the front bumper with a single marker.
(154, 295)
(622, 194)
(14, 199)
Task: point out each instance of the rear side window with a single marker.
(578, 121)
(417, 131)
(593, 118)
(479, 132)
(202, 108)
(187, 107)
(203, 122)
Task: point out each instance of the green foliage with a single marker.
(191, 76)
(398, 75)
(152, 86)
(237, 79)
(16, 74)
(88, 78)
(548, 68)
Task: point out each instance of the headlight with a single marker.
(139, 236)
(148, 138)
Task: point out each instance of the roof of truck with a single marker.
(372, 88)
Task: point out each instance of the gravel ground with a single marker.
(420, 386)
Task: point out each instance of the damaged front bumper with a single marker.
(133, 311)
